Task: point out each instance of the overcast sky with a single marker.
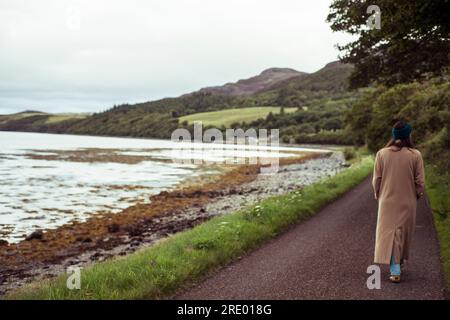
(74, 55)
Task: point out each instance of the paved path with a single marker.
(326, 257)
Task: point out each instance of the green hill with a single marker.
(261, 82)
(231, 116)
(312, 103)
(36, 120)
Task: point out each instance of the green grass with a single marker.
(20, 115)
(160, 270)
(230, 116)
(353, 154)
(52, 118)
(65, 116)
(438, 191)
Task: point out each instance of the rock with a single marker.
(38, 235)
(3, 243)
(126, 240)
(134, 231)
(211, 194)
(113, 228)
(135, 243)
(83, 239)
(96, 256)
(179, 195)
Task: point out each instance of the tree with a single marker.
(413, 41)
(360, 115)
(270, 117)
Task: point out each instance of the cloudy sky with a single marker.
(76, 55)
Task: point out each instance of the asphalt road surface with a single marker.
(327, 256)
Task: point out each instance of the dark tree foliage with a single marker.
(412, 43)
(425, 105)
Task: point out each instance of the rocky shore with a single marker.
(106, 236)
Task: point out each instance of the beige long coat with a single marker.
(398, 181)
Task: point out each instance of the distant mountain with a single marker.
(31, 111)
(261, 82)
(322, 95)
(333, 77)
(31, 120)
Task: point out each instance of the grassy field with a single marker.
(65, 116)
(438, 191)
(20, 115)
(52, 118)
(230, 116)
(159, 271)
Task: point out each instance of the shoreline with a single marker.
(107, 236)
(281, 144)
(45, 186)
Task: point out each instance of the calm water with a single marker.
(48, 180)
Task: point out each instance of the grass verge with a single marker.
(158, 271)
(438, 191)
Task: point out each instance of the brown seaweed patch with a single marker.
(126, 187)
(91, 155)
(33, 218)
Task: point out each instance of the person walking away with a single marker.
(398, 182)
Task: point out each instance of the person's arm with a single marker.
(419, 176)
(377, 175)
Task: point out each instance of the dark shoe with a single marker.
(394, 279)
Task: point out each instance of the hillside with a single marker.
(37, 120)
(261, 82)
(320, 97)
(332, 77)
(330, 81)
